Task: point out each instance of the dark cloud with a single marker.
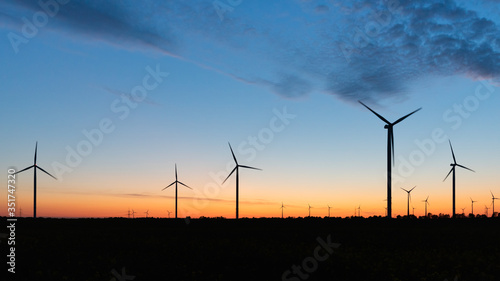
(353, 50)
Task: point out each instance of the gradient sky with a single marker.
(156, 83)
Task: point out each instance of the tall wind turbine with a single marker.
(237, 178)
(176, 182)
(328, 210)
(408, 200)
(426, 203)
(493, 202)
(453, 165)
(34, 166)
(472, 205)
(390, 153)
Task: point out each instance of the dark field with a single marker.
(256, 249)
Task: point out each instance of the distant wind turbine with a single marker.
(413, 213)
(34, 166)
(359, 211)
(426, 203)
(472, 205)
(282, 207)
(463, 211)
(236, 168)
(309, 209)
(493, 203)
(390, 153)
(328, 210)
(486, 207)
(128, 213)
(168, 213)
(176, 182)
(408, 200)
(133, 213)
(453, 165)
(147, 213)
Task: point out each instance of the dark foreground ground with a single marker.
(256, 249)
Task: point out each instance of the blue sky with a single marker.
(174, 82)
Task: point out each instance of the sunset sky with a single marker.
(117, 93)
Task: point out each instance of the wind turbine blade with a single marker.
(175, 171)
(452, 153)
(234, 157)
(24, 169)
(34, 159)
(465, 168)
(391, 133)
(184, 185)
(492, 196)
(404, 189)
(248, 167)
(404, 117)
(45, 172)
(378, 115)
(230, 174)
(169, 185)
(426, 198)
(412, 189)
(449, 173)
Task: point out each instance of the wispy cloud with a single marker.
(350, 49)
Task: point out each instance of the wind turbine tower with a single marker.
(176, 182)
(453, 166)
(390, 153)
(34, 166)
(236, 168)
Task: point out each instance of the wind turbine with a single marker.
(486, 207)
(128, 213)
(408, 200)
(390, 153)
(493, 202)
(236, 168)
(168, 213)
(472, 207)
(282, 206)
(309, 210)
(133, 213)
(453, 165)
(359, 211)
(176, 182)
(413, 213)
(147, 213)
(328, 210)
(34, 166)
(426, 203)
(463, 211)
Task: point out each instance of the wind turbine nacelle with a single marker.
(386, 126)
